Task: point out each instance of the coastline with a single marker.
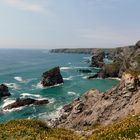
(112, 78)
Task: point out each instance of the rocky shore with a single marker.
(95, 108)
(123, 59)
(108, 107)
(102, 108)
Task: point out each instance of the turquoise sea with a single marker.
(21, 71)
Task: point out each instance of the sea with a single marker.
(21, 70)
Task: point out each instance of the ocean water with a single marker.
(21, 71)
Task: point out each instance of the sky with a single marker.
(69, 23)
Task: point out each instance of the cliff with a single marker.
(102, 108)
(94, 114)
(81, 50)
(105, 108)
(124, 58)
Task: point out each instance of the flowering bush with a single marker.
(127, 129)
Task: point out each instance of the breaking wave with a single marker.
(12, 85)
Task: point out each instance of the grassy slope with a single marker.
(127, 129)
(33, 130)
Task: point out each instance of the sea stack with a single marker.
(4, 91)
(52, 77)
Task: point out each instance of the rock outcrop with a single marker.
(102, 108)
(124, 58)
(52, 77)
(120, 101)
(97, 59)
(24, 102)
(4, 91)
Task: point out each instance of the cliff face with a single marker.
(124, 58)
(82, 50)
(103, 108)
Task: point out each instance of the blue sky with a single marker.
(68, 23)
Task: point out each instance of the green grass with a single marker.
(33, 130)
(138, 59)
(113, 66)
(126, 129)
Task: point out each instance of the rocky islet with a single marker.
(52, 77)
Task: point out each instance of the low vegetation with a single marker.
(113, 66)
(127, 129)
(138, 59)
(33, 130)
(135, 73)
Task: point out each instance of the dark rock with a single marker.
(4, 91)
(93, 76)
(124, 58)
(85, 71)
(138, 43)
(41, 102)
(52, 77)
(80, 107)
(67, 108)
(97, 60)
(23, 102)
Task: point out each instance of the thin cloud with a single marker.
(101, 36)
(26, 6)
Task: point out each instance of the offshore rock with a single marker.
(4, 91)
(23, 102)
(52, 77)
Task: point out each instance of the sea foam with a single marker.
(68, 68)
(39, 86)
(30, 95)
(65, 68)
(7, 102)
(53, 115)
(12, 85)
(71, 93)
(18, 78)
(68, 78)
(13, 109)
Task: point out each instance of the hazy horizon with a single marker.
(49, 24)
